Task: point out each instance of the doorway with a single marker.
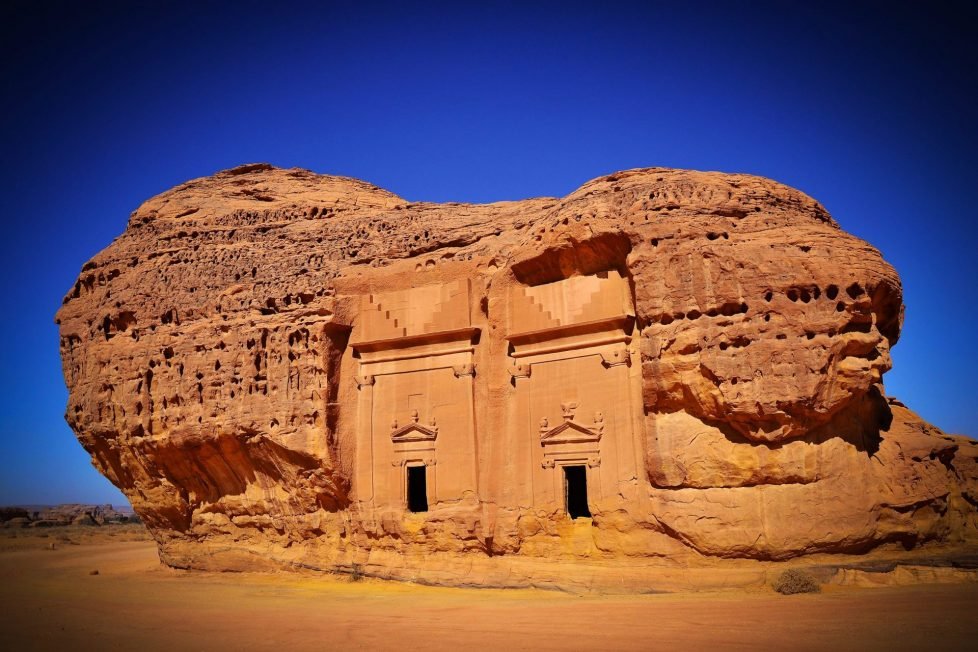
(417, 488)
(575, 491)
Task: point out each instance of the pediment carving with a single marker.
(414, 431)
(570, 431)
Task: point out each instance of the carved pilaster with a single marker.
(615, 357)
(361, 381)
(519, 371)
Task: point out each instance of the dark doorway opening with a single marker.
(575, 491)
(417, 488)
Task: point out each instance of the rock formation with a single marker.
(285, 369)
(66, 514)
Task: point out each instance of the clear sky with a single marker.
(869, 108)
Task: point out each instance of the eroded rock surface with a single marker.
(285, 369)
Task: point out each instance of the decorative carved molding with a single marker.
(615, 357)
(414, 431)
(547, 464)
(519, 370)
(568, 408)
(594, 462)
(464, 370)
(571, 432)
(430, 461)
(363, 380)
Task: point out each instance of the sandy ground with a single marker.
(50, 600)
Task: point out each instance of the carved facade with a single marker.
(415, 375)
(574, 401)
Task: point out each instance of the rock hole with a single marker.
(857, 327)
(855, 291)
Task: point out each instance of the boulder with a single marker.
(282, 369)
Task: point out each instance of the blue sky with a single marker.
(868, 107)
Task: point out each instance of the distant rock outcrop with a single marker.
(285, 369)
(66, 514)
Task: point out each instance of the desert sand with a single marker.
(50, 600)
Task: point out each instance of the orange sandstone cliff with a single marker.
(283, 369)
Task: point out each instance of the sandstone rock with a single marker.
(8, 513)
(79, 514)
(285, 369)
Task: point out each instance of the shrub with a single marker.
(795, 581)
(356, 573)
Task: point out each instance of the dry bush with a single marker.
(356, 573)
(795, 581)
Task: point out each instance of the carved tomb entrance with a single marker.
(415, 420)
(574, 412)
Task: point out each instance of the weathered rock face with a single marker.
(281, 368)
